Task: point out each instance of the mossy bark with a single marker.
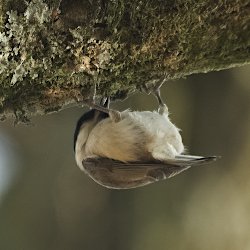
(52, 54)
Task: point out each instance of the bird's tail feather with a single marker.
(191, 160)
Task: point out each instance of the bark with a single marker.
(53, 52)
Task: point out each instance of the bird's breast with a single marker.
(124, 140)
(130, 138)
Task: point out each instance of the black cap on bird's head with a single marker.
(88, 116)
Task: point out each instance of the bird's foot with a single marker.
(154, 88)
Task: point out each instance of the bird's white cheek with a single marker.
(80, 153)
(79, 158)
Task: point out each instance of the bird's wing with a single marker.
(191, 160)
(178, 162)
(116, 174)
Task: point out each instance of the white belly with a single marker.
(138, 136)
(166, 140)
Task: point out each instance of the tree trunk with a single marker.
(53, 52)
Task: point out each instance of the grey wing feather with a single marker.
(115, 174)
(156, 169)
(191, 160)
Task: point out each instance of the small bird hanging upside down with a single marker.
(129, 149)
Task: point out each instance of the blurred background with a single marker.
(46, 202)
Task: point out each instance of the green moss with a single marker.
(119, 45)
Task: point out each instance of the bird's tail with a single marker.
(192, 160)
(183, 162)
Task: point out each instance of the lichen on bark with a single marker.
(52, 52)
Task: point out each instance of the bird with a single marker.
(130, 149)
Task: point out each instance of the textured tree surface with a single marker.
(52, 52)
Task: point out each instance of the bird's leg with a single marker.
(154, 89)
(105, 102)
(163, 109)
(93, 92)
(114, 115)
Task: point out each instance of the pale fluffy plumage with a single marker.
(130, 149)
(139, 136)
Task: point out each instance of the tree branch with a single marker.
(50, 58)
